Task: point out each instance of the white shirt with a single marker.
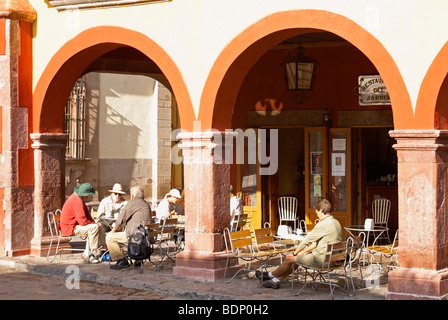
(235, 207)
(164, 208)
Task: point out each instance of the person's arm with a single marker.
(310, 248)
(80, 214)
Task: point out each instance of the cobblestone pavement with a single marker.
(22, 285)
(162, 282)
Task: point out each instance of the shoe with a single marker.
(90, 259)
(93, 259)
(265, 275)
(271, 284)
(138, 263)
(121, 264)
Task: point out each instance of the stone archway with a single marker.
(236, 59)
(50, 97)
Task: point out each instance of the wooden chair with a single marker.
(239, 245)
(287, 210)
(337, 257)
(239, 221)
(54, 219)
(267, 248)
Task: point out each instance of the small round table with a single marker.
(360, 228)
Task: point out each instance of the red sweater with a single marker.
(74, 212)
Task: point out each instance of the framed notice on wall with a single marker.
(316, 163)
(372, 91)
(338, 164)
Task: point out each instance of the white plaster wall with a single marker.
(194, 32)
(125, 109)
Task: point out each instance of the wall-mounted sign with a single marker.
(372, 91)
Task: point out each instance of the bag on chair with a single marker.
(139, 247)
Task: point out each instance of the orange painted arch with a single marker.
(426, 106)
(231, 66)
(64, 68)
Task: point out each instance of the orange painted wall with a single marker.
(2, 36)
(67, 64)
(2, 222)
(25, 170)
(336, 76)
(2, 51)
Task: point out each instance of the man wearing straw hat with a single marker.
(111, 207)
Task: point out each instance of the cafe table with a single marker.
(289, 238)
(356, 229)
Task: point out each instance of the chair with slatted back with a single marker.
(287, 210)
(239, 221)
(239, 246)
(266, 247)
(54, 219)
(337, 258)
(380, 213)
(165, 235)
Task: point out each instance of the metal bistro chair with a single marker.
(54, 219)
(338, 257)
(287, 209)
(388, 252)
(380, 213)
(166, 234)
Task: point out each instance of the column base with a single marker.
(417, 284)
(39, 247)
(204, 266)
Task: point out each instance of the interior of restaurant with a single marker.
(326, 122)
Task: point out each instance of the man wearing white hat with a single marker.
(110, 207)
(168, 205)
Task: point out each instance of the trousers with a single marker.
(113, 241)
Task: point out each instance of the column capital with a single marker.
(18, 10)
(429, 140)
(48, 140)
(209, 139)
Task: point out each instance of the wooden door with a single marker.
(340, 174)
(316, 170)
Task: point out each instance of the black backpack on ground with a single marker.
(139, 247)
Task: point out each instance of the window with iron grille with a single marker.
(75, 122)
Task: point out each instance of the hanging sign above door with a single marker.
(372, 91)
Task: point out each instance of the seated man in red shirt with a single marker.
(76, 220)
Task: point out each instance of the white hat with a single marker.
(117, 189)
(174, 193)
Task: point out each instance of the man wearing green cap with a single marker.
(76, 220)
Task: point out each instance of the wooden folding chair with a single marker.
(337, 257)
(239, 246)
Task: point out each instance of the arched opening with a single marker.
(123, 147)
(246, 89)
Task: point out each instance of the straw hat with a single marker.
(117, 189)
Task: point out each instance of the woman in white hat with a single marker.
(168, 205)
(111, 206)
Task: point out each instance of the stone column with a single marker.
(49, 187)
(16, 190)
(422, 271)
(207, 206)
